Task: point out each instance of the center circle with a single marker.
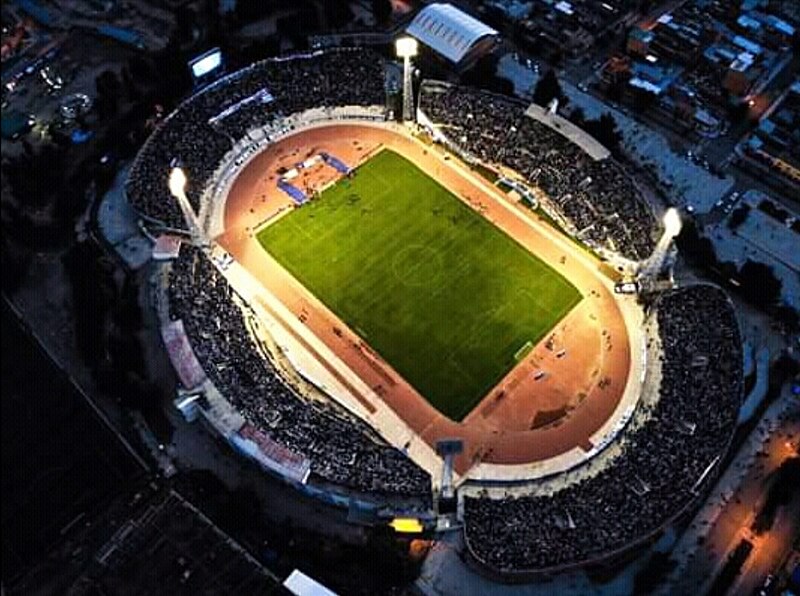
(417, 265)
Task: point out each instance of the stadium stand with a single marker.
(663, 466)
(597, 197)
(282, 86)
(343, 450)
(659, 471)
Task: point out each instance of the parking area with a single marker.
(52, 86)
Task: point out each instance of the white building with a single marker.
(453, 34)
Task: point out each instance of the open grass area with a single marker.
(444, 296)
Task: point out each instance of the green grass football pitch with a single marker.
(445, 297)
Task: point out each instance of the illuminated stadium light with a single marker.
(177, 188)
(406, 47)
(672, 222)
(406, 525)
(177, 182)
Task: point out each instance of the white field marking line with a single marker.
(489, 315)
(264, 223)
(327, 187)
(303, 231)
(463, 372)
(432, 252)
(323, 237)
(538, 306)
(492, 315)
(493, 192)
(461, 267)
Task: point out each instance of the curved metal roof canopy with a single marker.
(448, 30)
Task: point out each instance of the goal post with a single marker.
(523, 351)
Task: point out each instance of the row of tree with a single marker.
(753, 281)
(604, 128)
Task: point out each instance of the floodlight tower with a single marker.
(177, 186)
(672, 223)
(672, 227)
(448, 449)
(406, 48)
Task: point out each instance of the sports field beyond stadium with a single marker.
(445, 297)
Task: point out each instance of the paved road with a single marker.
(769, 550)
(727, 517)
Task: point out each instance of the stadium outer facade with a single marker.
(202, 397)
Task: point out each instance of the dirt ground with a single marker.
(586, 357)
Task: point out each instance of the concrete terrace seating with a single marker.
(655, 477)
(343, 450)
(322, 79)
(596, 196)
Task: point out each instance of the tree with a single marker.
(578, 117)
(645, 100)
(604, 129)
(788, 316)
(108, 91)
(107, 83)
(694, 246)
(759, 283)
(774, 210)
(484, 75)
(337, 14)
(548, 88)
(93, 294)
(382, 11)
(738, 216)
(38, 177)
(247, 11)
(185, 23)
(174, 80)
(616, 89)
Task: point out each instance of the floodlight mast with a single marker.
(177, 187)
(672, 223)
(654, 265)
(406, 48)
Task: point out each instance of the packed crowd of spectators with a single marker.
(276, 88)
(656, 475)
(598, 197)
(343, 450)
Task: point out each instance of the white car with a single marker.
(627, 287)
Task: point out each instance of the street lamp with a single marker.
(406, 48)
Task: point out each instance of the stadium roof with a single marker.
(448, 30)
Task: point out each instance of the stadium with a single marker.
(423, 319)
